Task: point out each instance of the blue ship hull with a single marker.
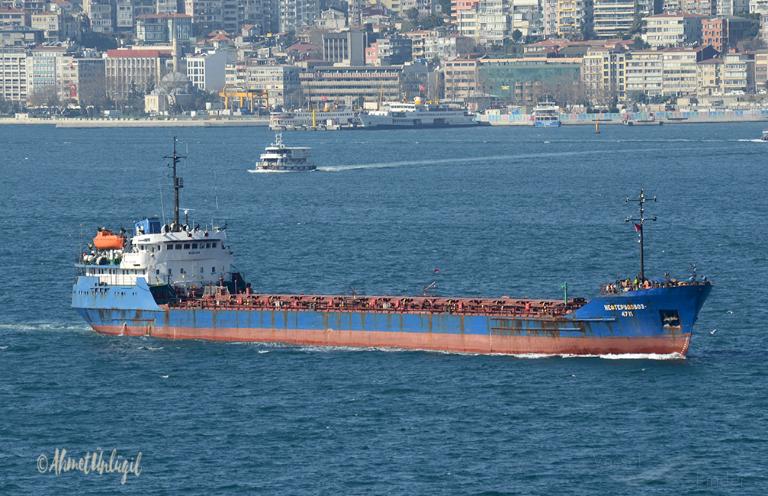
(658, 320)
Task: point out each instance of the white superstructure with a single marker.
(546, 114)
(398, 114)
(174, 255)
(312, 119)
(188, 257)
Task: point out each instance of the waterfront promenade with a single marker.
(101, 123)
(616, 118)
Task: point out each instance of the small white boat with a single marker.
(280, 158)
(764, 136)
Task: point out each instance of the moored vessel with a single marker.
(176, 281)
(546, 114)
(325, 118)
(398, 115)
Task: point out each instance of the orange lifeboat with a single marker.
(107, 240)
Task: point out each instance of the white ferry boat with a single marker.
(312, 119)
(546, 114)
(416, 115)
(280, 158)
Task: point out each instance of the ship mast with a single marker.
(178, 183)
(639, 223)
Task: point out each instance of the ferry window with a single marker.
(194, 246)
(213, 270)
(157, 272)
(207, 245)
(170, 271)
(182, 270)
(186, 246)
(213, 245)
(202, 270)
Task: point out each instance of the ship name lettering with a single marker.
(624, 307)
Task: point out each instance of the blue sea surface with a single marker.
(500, 211)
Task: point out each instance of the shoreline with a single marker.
(502, 120)
(143, 123)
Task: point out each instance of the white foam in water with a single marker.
(526, 356)
(489, 158)
(644, 356)
(45, 326)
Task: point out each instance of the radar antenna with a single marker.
(178, 183)
(639, 223)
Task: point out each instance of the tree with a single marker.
(431, 21)
(517, 35)
(8, 107)
(637, 25)
(99, 41)
(46, 96)
(412, 15)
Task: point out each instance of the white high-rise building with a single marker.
(207, 71)
(298, 14)
(732, 7)
(493, 21)
(613, 18)
(571, 17)
(549, 17)
(13, 76)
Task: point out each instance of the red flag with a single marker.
(638, 227)
(437, 270)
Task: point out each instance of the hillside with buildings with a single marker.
(244, 57)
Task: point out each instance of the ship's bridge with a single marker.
(182, 256)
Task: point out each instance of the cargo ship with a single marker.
(176, 281)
